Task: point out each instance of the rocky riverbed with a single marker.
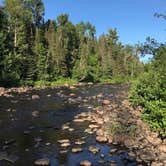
(91, 124)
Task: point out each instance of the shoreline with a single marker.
(7, 92)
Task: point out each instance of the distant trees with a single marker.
(32, 49)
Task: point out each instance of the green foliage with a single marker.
(36, 52)
(150, 92)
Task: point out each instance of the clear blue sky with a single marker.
(134, 19)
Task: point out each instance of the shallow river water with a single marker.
(27, 138)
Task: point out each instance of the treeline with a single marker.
(32, 49)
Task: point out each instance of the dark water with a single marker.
(55, 110)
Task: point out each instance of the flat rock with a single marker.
(80, 142)
(63, 141)
(147, 156)
(113, 163)
(35, 97)
(63, 151)
(113, 150)
(162, 148)
(78, 120)
(105, 102)
(65, 127)
(35, 114)
(76, 150)
(94, 149)
(85, 163)
(156, 164)
(100, 132)
(101, 139)
(89, 131)
(154, 141)
(65, 145)
(92, 126)
(71, 129)
(43, 161)
(72, 94)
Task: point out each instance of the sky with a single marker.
(133, 19)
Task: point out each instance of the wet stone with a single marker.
(76, 150)
(94, 149)
(38, 139)
(35, 97)
(101, 139)
(9, 142)
(78, 120)
(102, 155)
(63, 141)
(43, 161)
(113, 150)
(113, 163)
(10, 158)
(85, 163)
(65, 145)
(92, 126)
(26, 132)
(63, 151)
(48, 144)
(157, 164)
(79, 142)
(106, 102)
(35, 114)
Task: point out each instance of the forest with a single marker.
(35, 52)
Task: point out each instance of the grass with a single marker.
(70, 81)
(118, 130)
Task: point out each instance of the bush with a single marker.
(150, 92)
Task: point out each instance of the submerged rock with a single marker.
(35, 114)
(65, 144)
(78, 120)
(63, 141)
(9, 158)
(94, 149)
(80, 142)
(76, 150)
(35, 97)
(43, 161)
(113, 150)
(72, 94)
(113, 163)
(85, 163)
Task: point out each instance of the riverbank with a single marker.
(7, 92)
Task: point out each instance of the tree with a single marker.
(103, 56)
(41, 56)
